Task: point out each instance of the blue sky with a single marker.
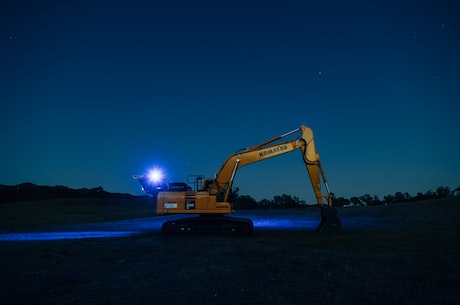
(94, 92)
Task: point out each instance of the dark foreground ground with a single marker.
(398, 254)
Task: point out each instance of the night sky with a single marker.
(94, 92)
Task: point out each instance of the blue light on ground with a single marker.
(267, 223)
(28, 236)
(120, 228)
(280, 220)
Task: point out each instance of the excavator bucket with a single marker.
(330, 222)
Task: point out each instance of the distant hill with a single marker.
(29, 192)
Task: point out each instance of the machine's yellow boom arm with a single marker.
(222, 184)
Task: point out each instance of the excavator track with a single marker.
(209, 224)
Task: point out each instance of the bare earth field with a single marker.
(96, 251)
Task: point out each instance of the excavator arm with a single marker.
(223, 182)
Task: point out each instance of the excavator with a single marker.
(210, 201)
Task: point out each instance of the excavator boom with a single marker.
(225, 176)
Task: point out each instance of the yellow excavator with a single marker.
(210, 200)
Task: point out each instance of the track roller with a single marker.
(209, 224)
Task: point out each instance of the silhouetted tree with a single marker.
(291, 202)
(277, 202)
(456, 192)
(399, 197)
(355, 200)
(419, 196)
(265, 204)
(285, 201)
(407, 196)
(389, 199)
(443, 191)
(244, 202)
(367, 199)
(340, 202)
(376, 200)
(430, 195)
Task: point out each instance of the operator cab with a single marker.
(179, 187)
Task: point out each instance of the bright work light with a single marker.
(155, 176)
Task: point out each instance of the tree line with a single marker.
(30, 192)
(288, 201)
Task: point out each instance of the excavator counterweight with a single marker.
(212, 201)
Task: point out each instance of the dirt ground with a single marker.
(396, 254)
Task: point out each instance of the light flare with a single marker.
(155, 175)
